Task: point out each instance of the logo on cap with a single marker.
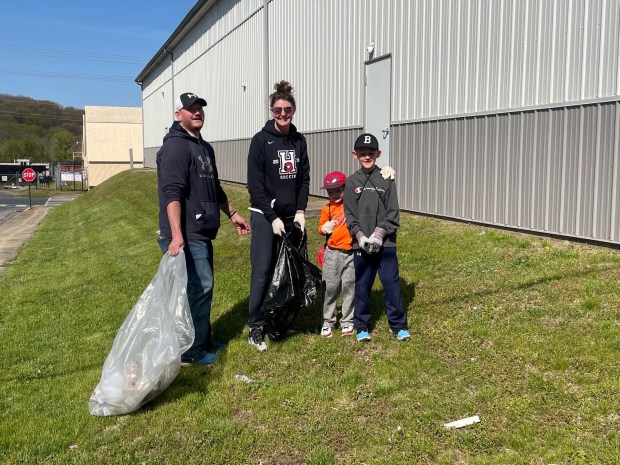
(187, 99)
(334, 180)
(366, 140)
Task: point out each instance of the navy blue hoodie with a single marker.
(186, 172)
(278, 168)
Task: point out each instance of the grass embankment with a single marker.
(519, 330)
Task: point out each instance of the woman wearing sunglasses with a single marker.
(279, 183)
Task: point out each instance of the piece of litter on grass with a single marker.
(73, 446)
(463, 422)
(244, 378)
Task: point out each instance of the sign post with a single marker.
(29, 175)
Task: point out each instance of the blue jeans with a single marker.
(199, 264)
(366, 267)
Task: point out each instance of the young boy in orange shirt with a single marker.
(338, 268)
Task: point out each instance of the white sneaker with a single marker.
(347, 329)
(326, 331)
(255, 338)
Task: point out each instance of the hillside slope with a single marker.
(36, 121)
(520, 330)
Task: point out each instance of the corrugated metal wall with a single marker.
(220, 60)
(450, 57)
(553, 170)
(503, 111)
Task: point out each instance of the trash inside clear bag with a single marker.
(146, 353)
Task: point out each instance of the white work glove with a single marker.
(363, 242)
(300, 219)
(388, 172)
(376, 240)
(278, 227)
(328, 227)
(374, 244)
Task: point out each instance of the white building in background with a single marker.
(501, 112)
(112, 141)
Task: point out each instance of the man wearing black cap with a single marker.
(372, 213)
(190, 200)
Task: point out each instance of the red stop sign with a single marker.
(29, 175)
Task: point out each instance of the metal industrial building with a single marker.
(112, 141)
(504, 112)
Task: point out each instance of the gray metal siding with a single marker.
(553, 170)
(231, 158)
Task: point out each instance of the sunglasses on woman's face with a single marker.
(279, 110)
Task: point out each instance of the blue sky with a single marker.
(81, 52)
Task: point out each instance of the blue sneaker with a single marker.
(215, 346)
(403, 335)
(363, 335)
(206, 359)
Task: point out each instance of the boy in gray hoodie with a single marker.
(372, 214)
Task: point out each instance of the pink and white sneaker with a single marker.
(347, 329)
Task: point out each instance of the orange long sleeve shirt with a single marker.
(340, 238)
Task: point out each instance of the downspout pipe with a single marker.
(266, 48)
(172, 74)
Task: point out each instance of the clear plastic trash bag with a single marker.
(146, 353)
(295, 283)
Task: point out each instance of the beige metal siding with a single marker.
(109, 134)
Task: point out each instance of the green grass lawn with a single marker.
(521, 330)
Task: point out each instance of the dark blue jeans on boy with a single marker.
(367, 266)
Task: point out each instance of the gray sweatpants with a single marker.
(338, 273)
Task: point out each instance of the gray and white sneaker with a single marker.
(255, 338)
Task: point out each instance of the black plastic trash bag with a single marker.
(295, 283)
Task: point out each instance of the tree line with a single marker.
(39, 130)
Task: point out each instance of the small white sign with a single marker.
(5, 178)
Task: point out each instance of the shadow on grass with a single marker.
(231, 324)
(464, 297)
(377, 301)
(226, 328)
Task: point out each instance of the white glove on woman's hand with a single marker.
(278, 227)
(300, 219)
(328, 226)
(388, 172)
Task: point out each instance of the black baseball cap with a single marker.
(366, 140)
(187, 99)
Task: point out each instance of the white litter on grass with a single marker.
(244, 378)
(463, 422)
